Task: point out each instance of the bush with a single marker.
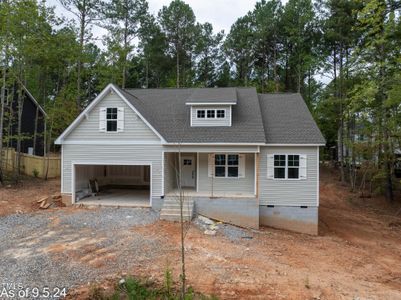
(35, 173)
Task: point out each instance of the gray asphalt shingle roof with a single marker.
(213, 95)
(286, 118)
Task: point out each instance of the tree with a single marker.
(267, 18)
(178, 23)
(239, 47)
(124, 18)
(208, 54)
(87, 12)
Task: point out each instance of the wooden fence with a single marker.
(32, 165)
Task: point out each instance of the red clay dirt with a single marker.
(22, 197)
(357, 254)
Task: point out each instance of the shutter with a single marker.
(241, 167)
(102, 119)
(270, 166)
(302, 166)
(210, 165)
(120, 119)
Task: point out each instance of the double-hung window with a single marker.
(111, 119)
(226, 165)
(286, 166)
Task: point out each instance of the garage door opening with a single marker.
(114, 185)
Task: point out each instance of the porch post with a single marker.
(197, 172)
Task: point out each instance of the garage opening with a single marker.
(122, 185)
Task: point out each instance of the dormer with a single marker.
(212, 106)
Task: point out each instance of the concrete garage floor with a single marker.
(119, 197)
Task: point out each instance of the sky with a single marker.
(221, 13)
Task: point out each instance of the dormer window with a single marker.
(211, 113)
(201, 114)
(221, 114)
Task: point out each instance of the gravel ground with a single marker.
(58, 249)
(231, 232)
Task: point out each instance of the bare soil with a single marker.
(357, 254)
(22, 197)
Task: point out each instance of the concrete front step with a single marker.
(174, 218)
(171, 209)
(176, 211)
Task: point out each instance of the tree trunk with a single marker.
(2, 103)
(178, 65)
(19, 137)
(80, 54)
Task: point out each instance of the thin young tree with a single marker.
(87, 12)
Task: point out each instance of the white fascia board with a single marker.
(210, 103)
(111, 142)
(294, 145)
(108, 88)
(214, 144)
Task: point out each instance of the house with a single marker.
(33, 123)
(245, 158)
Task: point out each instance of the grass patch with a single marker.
(134, 289)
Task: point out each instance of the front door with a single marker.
(188, 171)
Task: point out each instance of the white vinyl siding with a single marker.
(231, 185)
(208, 121)
(291, 192)
(129, 124)
(116, 155)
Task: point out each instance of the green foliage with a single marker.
(134, 289)
(35, 173)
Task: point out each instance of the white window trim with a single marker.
(107, 131)
(215, 113)
(226, 166)
(286, 167)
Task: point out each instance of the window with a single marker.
(226, 165)
(279, 166)
(286, 166)
(200, 114)
(220, 113)
(210, 113)
(111, 119)
(220, 165)
(187, 162)
(293, 166)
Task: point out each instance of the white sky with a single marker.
(221, 13)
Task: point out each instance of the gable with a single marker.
(135, 129)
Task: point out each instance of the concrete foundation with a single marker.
(157, 203)
(242, 212)
(294, 218)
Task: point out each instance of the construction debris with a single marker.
(205, 220)
(42, 199)
(210, 232)
(56, 196)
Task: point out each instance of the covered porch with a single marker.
(220, 174)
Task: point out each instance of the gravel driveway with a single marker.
(65, 248)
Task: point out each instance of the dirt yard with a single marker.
(356, 256)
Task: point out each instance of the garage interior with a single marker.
(122, 185)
